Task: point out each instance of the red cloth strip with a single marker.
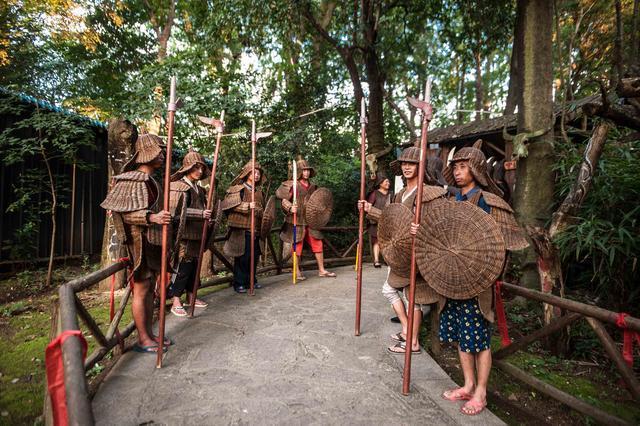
(55, 374)
(501, 316)
(629, 337)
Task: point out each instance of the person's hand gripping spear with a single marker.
(363, 143)
(206, 230)
(294, 271)
(254, 138)
(173, 106)
(427, 115)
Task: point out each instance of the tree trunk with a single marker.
(635, 40)
(479, 95)
(549, 263)
(514, 93)
(375, 127)
(535, 179)
(461, 86)
(618, 62)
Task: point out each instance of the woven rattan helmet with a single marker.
(394, 237)
(318, 208)
(246, 170)
(460, 250)
(304, 165)
(409, 155)
(148, 146)
(189, 161)
(268, 217)
(477, 164)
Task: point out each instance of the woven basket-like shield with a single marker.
(459, 249)
(394, 238)
(268, 217)
(318, 208)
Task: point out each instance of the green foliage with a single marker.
(603, 244)
(46, 137)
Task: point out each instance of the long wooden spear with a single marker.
(294, 272)
(425, 106)
(165, 228)
(254, 139)
(363, 142)
(219, 126)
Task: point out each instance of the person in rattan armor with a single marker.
(407, 166)
(468, 321)
(135, 202)
(237, 206)
(304, 233)
(378, 198)
(191, 199)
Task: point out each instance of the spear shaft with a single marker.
(363, 141)
(406, 376)
(252, 267)
(205, 225)
(165, 228)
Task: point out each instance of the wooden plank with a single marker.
(612, 350)
(558, 395)
(573, 306)
(90, 323)
(118, 314)
(333, 249)
(525, 341)
(223, 259)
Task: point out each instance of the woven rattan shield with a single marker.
(459, 249)
(394, 238)
(319, 208)
(268, 217)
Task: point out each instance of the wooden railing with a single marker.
(595, 317)
(71, 308)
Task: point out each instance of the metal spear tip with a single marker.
(263, 135)
(417, 103)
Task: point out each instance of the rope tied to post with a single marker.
(629, 337)
(501, 317)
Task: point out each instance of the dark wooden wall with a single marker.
(91, 186)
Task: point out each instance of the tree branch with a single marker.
(410, 126)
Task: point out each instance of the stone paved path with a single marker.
(285, 356)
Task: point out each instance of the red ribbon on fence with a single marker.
(501, 316)
(629, 336)
(55, 374)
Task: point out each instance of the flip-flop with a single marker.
(377, 265)
(397, 337)
(199, 304)
(178, 311)
(328, 274)
(151, 349)
(301, 278)
(477, 407)
(456, 395)
(401, 345)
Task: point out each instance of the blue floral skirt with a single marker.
(462, 321)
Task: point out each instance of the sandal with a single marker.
(199, 304)
(456, 395)
(377, 265)
(400, 348)
(397, 337)
(151, 349)
(179, 311)
(328, 274)
(473, 407)
(301, 278)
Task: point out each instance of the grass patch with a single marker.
(23, 339)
